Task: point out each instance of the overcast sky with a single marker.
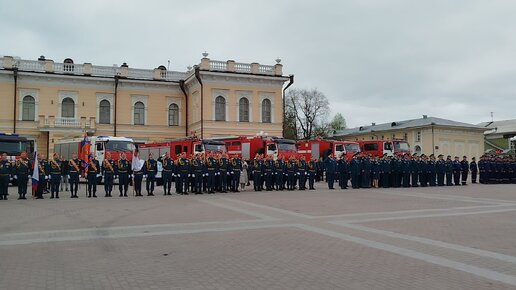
(376, 61)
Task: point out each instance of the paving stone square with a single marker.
(416, 238)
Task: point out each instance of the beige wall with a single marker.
(448, 140)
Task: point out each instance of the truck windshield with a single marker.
(12, 148)
(352, 147)
(401, 147)
(215, 147)
(120, 146)
(287, 146)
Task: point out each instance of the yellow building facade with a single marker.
(427, 135)
(46, 101)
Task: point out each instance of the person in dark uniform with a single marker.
(342, 169)
(366, 171)
(73, 172)
(167, 165)
(42, 176)
(279, 171)
(236, 167)
(92, 171)
(312, 172)
(150, 169)
(22, 170)
(474, 170)
(482, 169)
(375, 171)
(268, 169)
(414, 170)
(291, 167)
(331, 169)
(301, 170)
(355, 169)
(432, 170)
(464, 165)
(440, 168)
(456, 171)
(44, 180)
(257, 172)
(448, 170)
(6, 169)
(197, 171)
(55, 175)
(184, 172)
(108, 171)
(211, 164)
(406, 170)
(422, 171)
(223, 168)
(123, 171)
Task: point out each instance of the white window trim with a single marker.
(72, 95)
(270, 97)
(110, 99)
(225, 95)
(28, 92)
(144, 100)
(178, 102)
(246, 95)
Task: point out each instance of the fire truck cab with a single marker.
(248, 147)
(319, 148)
(190, 146)
(381, 147)
(13, 145)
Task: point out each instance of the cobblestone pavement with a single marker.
(419, 238)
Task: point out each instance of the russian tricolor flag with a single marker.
(35, 174)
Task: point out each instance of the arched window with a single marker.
(266, 111)
(104, 112)
(220, 109)
(139, 113)
(243, 110)
(68, 108)
(28, 108)
(173, 115)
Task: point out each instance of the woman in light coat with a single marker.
(243, 175)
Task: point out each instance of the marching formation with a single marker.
(219, 172)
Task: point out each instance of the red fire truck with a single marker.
(98, 146)
(381, 147)
(319, 148)
(13, 145)
(188, 145)
(248, 147)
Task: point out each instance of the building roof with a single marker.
(406, 124)
(499, 127)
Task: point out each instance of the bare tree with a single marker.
(311, 108)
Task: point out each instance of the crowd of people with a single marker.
(219, 172)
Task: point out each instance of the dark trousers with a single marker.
(311, 180)
(257, 180)
(149, 182)
(355, 180)
(167, 181)
(464, 176)
(279, 180)
(235, 180)
(269, 180)
(330, 178)
(385, 179)
(406, 179)
(415, 179)
(223, 181)
(456, 177)
(198, 182)
(4, 186)
(449, 178)
(440, 179)
(55, 182)
(108, 183)
(138, 178)
(74, 183)
(343, 180)
(291, 180)
(431, 178)
(422, 179)
(92, 184)
(22, 184)
(474, 176)
(211, 181)
(302, 180)
(123, 183)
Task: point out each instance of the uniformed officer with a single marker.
(236, 167)
(464, 165)
(42, 173)
(150, 169)
(184, 170)
(108, 171)
(197, 171)
(223, 168)
(268, 171)
(166, 173)
(257, 172)
(44, 180)
(423, 171)
(73, 171)
(385, 171)
(414, 170)
(342, 169)
(92, 171)
(406, 170)
(355, 171)
(312, 172)
(6, 170)
(448, 170)
(474, 170)
(55, 175)
(22, 170)
(456, 171)
(440, 168)
(211, 166)
(123, 171)
(432, 172)
(291, 167)
(331, 168)
(279, 173)
(482, 169)
(366, 171)
(301, 173)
